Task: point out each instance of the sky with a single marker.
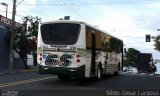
(129, 20)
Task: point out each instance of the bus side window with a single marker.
(88, 38)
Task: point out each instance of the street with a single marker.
(36, 83)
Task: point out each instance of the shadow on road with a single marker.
(90, 81)
(79, 82)
(108, 82)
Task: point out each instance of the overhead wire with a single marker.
(97, 3)
(11, 13)
(71, 7)
(74, 12)
(117, 2)
(81, 12)
(74, 8)
(19, 2)
(63, 9)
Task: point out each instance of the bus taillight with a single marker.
(77, 55)
(40, 56)
(58, 49)
(78, 60)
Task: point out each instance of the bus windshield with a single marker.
(60, 33)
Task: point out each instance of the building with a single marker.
(5, 29)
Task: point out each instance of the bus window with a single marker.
(60, 33)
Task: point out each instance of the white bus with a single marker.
(76, 49)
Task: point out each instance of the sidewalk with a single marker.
(32, 69)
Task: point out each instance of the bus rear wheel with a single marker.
(117, 72)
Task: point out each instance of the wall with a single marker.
(5, 24)
(4, 47)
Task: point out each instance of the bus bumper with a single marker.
(75, 72)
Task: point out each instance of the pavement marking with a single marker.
(25, 81)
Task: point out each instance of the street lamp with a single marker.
(4, 4)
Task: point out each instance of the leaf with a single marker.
(24, 41)
(131, 56)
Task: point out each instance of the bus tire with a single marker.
(116, 73)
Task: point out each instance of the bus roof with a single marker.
(80, 22)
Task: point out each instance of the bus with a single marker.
(69, 48)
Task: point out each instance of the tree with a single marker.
(26, 38)
(130, 58)
(156, 39)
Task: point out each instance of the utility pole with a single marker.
(11, 49)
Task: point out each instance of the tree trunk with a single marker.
(34, 58)
(24, 59)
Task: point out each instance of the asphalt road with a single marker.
(33, 83)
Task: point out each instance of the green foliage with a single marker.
(130, 58)
(126, 63)
(26, 37)
(157, 42)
